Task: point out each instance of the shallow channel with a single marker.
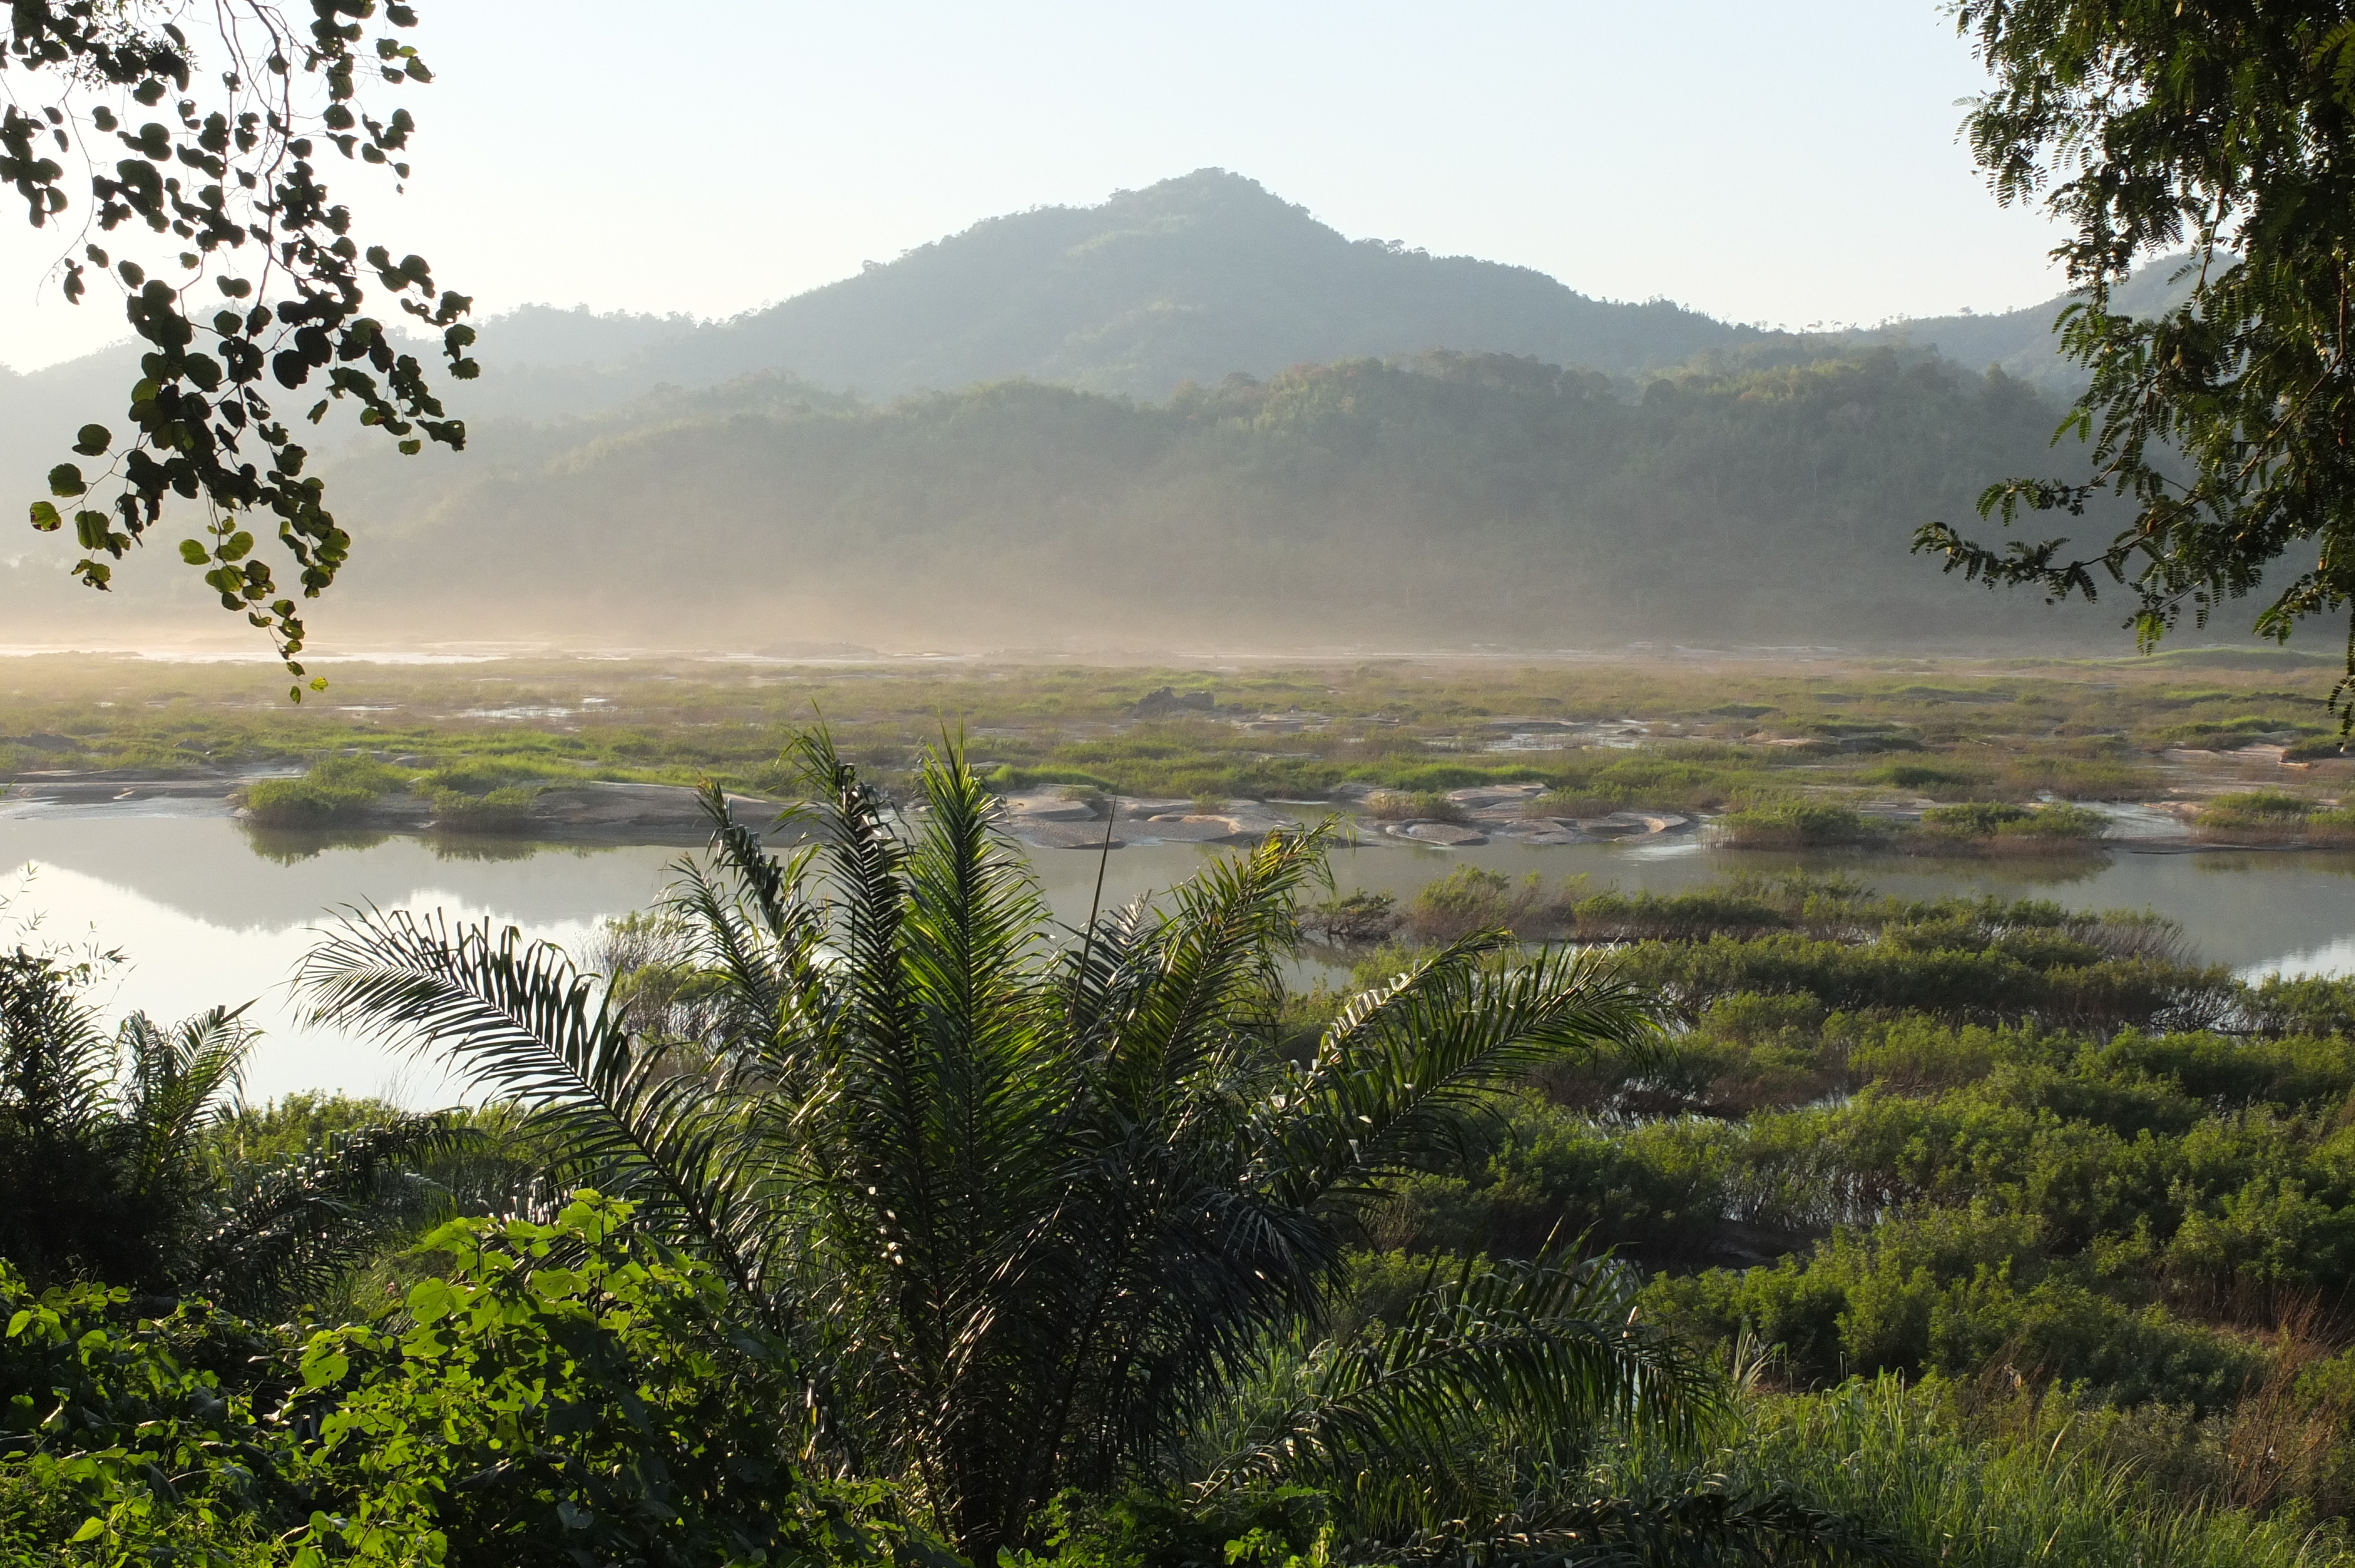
(204, 912)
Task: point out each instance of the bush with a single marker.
(2032, 1480)
(1990, 825)
(1418, 806)
(1794, 824)
(560, 1393)
(1940, 781)
(1469, 899)
(506, 810)
(335, 789)
(2258, 813)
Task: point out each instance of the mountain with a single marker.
(1190, 413)
(1444, 499)
(2020, 342)
(1194, 279)
(1191, 279)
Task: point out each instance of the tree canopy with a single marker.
(2150, 126)
(209, 146)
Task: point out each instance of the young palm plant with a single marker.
(1037, 1214)
(104, 1163)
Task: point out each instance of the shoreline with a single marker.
(621, 814)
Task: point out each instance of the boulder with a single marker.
(1449, 835)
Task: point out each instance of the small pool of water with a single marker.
(204, 912)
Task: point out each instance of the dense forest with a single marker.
(1450, 499)
(858, 1215)
(1394, 431)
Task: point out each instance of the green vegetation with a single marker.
(1916, 1207)
(203, 423)
(333, 790)
(1787, 825)
(927, 1131)
(2002, 734)
(1431, 496)
(2215, 416)
(2039, 826)
(546, 1394)
(112, 1156)
(2273, 816)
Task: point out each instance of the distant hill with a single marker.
(1448, 500)
(1190, 413)
(1194, 279)
(1191, 280)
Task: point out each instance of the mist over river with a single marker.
(205, 912)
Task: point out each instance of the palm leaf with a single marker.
(524, 1022)
(179, 1078)
(292, 1228)
(1406, 1075)
(1544, 1348)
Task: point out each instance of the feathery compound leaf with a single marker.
(1031, 1215)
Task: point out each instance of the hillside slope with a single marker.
(1193, 278)
(1452, 500)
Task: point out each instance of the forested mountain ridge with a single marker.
(1444, 499)
(1193, 278)
(1191, 412)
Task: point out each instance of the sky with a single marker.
(1794, 165)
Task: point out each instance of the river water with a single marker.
(204, 913)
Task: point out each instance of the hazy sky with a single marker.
(1791, 164)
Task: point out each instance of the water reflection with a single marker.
(209, 912)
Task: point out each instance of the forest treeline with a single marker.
(1448, 498)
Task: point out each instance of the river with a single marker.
(202, 916)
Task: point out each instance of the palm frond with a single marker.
(523, 1021)
(1181, 981)
(179, 1078)
(56, 1067)
(1407, 1074)
(1536, 1352)
(289, 1229)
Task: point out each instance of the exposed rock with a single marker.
(1631, 824)
(1139, 807)
(603, 809)
(1049, 807)
(1192, 829)
(1167, 702)
(1044, 835)
(1451, 835)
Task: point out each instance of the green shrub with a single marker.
(1615, 916)
(2264, 812)
(1794, 824)
(2037, 1479)
(1980, 820)
(553, 1394)
(1976, 820)
(481, 776)
(1405, 806)
(1940, 781)
(1469, 899)
(505, 811)
(1006, 778)
(336, 789)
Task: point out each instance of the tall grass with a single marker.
(1899, 1459)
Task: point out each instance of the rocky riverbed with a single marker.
(1060, 819)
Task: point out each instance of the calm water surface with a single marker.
(202, 916)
